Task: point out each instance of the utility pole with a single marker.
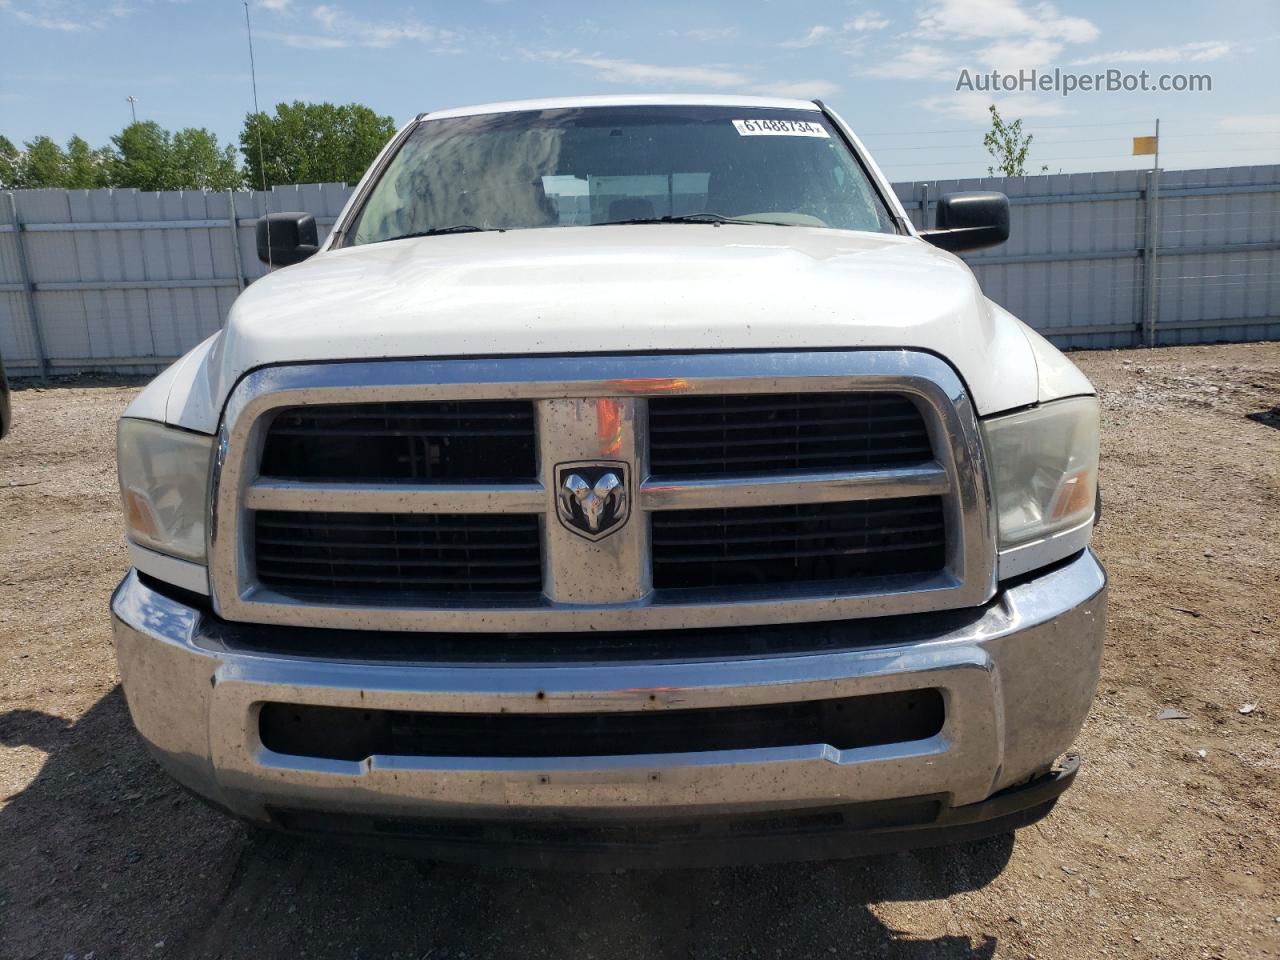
(1153, 218)
(1150, 146)
(132, 106)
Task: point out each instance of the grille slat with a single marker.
(423, 411)
(417, 553)
(675, 520)
(348, 580)
(774, 433)
(769, 441)
(405, 432)
(811, 543)
(750, 403)
(793, 535)
(366, 545)
(422, 441)
(337, 522)
(772, 463)
(711, 557)
(451, 563)
(674, 425)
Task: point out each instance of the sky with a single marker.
(890, 69)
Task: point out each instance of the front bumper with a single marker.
(1016, 677)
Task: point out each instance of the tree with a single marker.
(312, 143)
(43, 164)
(144, 157)
(148, 157)
(87, 168)
(198, 161)
(1006, 143)
(10, 159)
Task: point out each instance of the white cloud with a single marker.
(814, 35)
(871, 20)
(822, 33)
(309, 41)
(917, 62)
(629, 72)
(1003, 18)
(1250, 123)
(973, 106)
(276, 6)
(49, 23)
(1199, 51)
(66, 16)
(341, 29)
(646, 74)
(800, 89)
(705, 34)
(1012, 55)
(1017, 36)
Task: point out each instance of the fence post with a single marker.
(28, 288)
(1150, 253)
(235, 238)
(924, 206)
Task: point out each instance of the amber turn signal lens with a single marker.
(1076, 493)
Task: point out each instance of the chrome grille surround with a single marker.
(594, 407)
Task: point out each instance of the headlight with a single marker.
(164, 483)
(1044, 466)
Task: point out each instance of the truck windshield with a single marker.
(634, 164)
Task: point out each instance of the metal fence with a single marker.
(1117, 259)
(125, 281)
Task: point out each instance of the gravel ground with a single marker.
(1168, 846)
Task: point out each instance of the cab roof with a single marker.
(625, 100)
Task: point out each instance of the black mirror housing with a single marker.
(286, 238)
(970, 221)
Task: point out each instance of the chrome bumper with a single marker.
(1017, 678)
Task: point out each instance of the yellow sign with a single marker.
(1144, 146)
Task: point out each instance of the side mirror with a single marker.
(969, 221)
(286, 238)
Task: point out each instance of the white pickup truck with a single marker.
(622, 480)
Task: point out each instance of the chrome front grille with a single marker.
(771, 433)
(390, 556)
(798, 543)
(756, 488)
(484, 440)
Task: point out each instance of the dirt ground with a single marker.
(1168, 846)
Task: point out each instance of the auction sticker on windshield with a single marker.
(780, 128)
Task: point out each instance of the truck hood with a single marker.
(634, 288)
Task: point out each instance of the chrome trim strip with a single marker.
(825, 487)
(657, 610)
(180, 573)
(1026, 557)
(567, 392)
(393, 497)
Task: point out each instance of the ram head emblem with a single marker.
(591, 497)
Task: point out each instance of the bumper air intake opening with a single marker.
(346, 733)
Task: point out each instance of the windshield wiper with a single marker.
(437, 231)
(715, 219)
